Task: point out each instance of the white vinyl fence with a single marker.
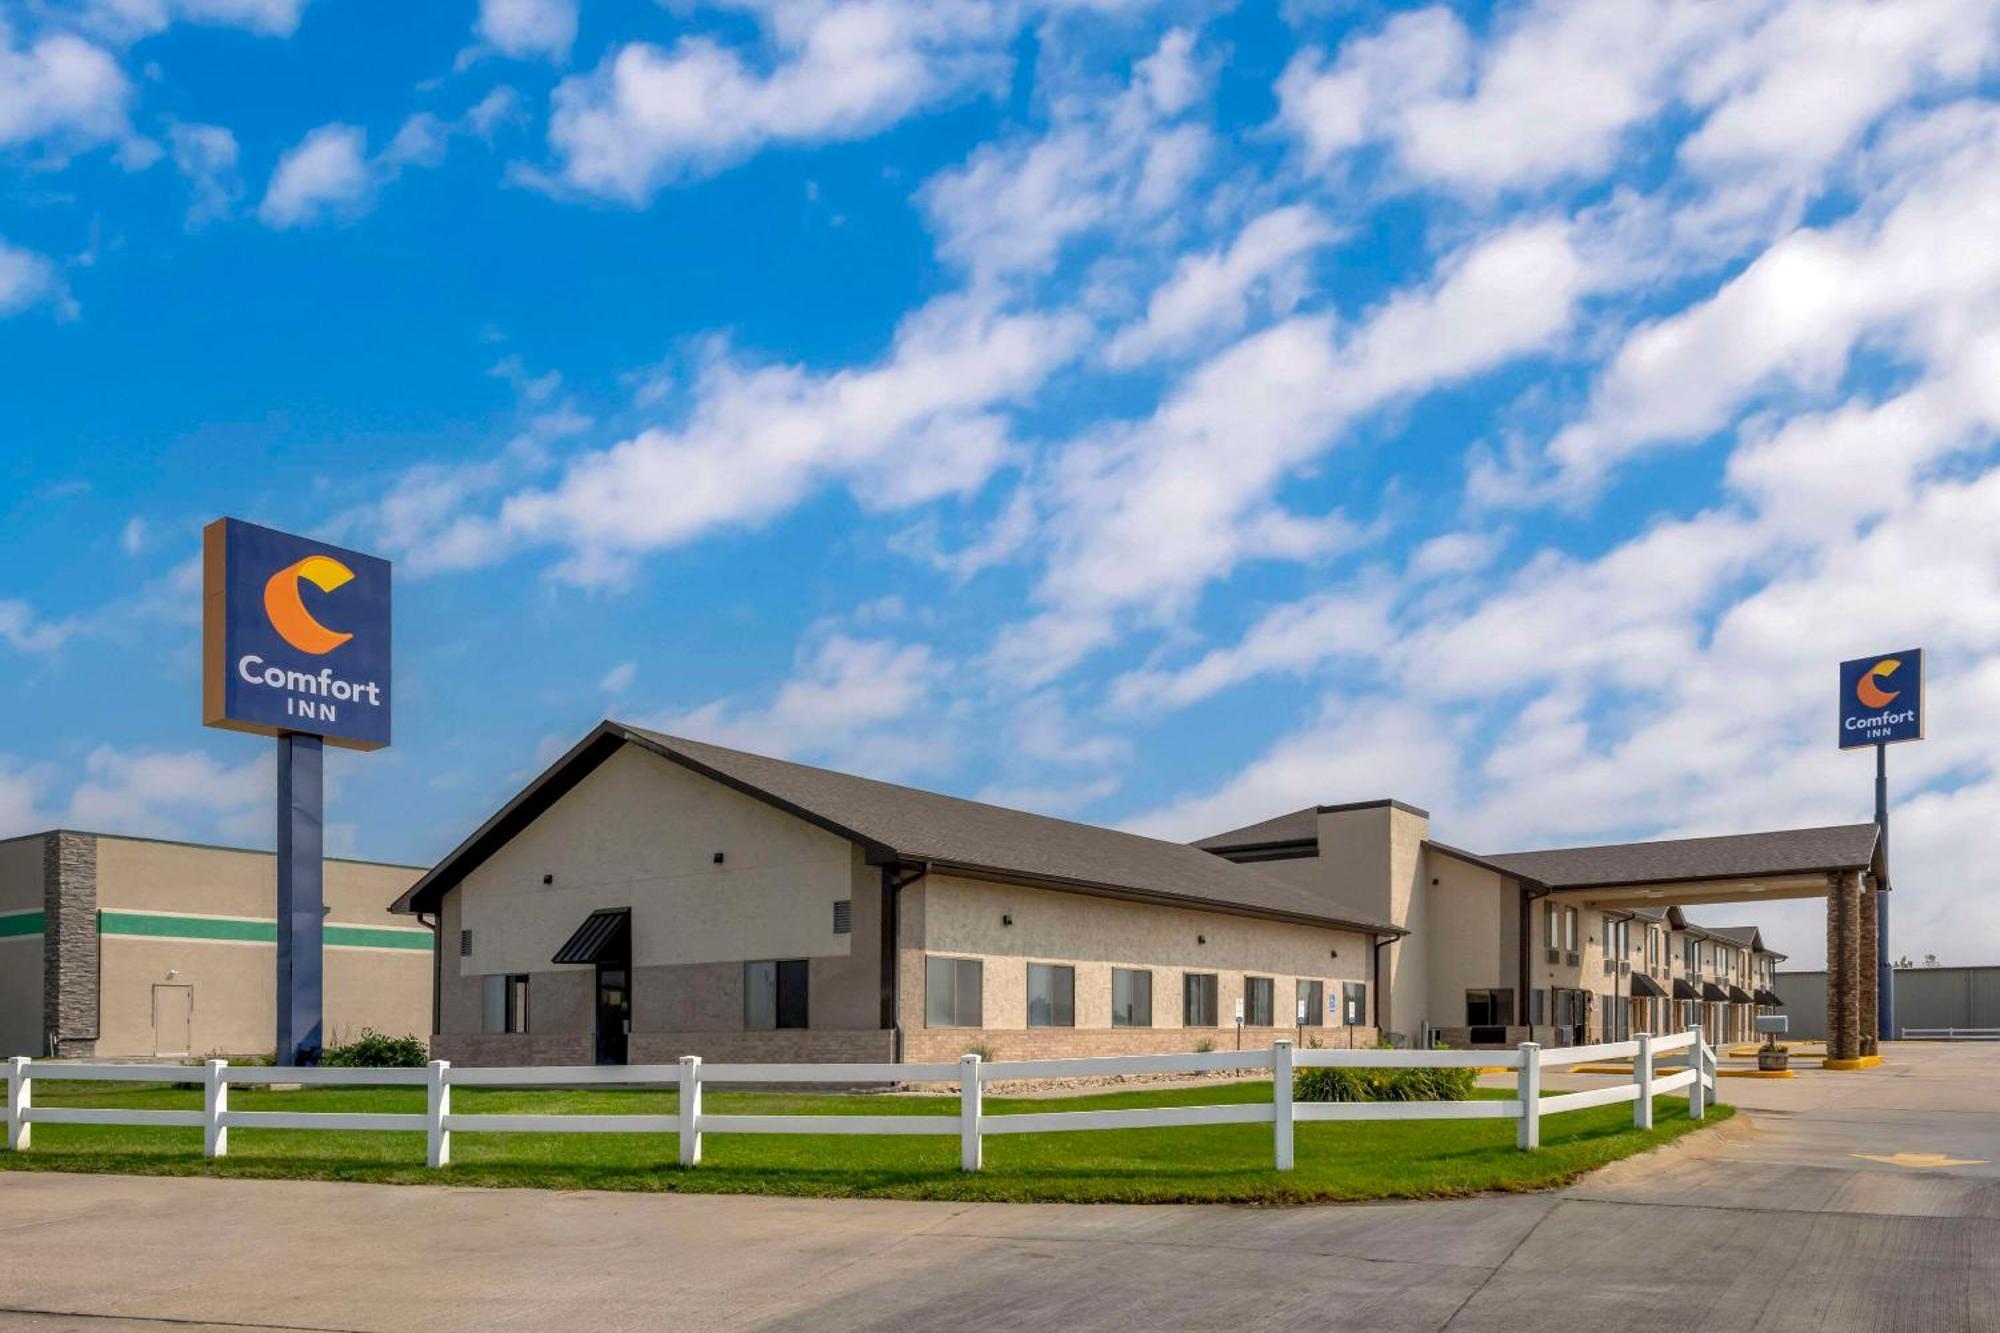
(970, 1126)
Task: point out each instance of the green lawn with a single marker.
(1219, 1163)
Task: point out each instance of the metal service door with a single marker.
(173, 1020)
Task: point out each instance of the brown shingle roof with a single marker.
(1734, 856)
(897, 823)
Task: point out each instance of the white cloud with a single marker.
(26, 278)
(28, 632)
(844, 698)
(329, 176)
(207, 155)
(619, 678)
(129, 20)
(1146, 515)
(1212, 293)
(23, 789)
(166, 793)
(132, 537)
(325, 175)
(649, 117)
(919, 424)
(524, 28)
(61, 91)
(1121, 162)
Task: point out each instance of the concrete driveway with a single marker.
(1770, 1223)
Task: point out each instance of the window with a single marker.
(1354, 1003)
(1131, 998)
(1552, 929)
(1569, 931)
(1538, 1007)
(843, 917)
(1312, 995)
(774, 995)
(952, 989)
(1198, 1000)
(504, 1004)
(1489, 1008)
(1051, 996)
(1257, 1002)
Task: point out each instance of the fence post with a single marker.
(970, 1108)
(1528, 1087)
(20, 1095)
(1696, 1099)
(437, 1107)
(690, 1110)
(214, 1105)
(1281, 1103)
(1642, 1072)
(1713, 1080)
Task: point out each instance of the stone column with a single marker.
(69, 944)
(1843, 912)
(1864, 971)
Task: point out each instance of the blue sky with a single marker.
(1163, 415)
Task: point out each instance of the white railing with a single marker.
(1950, 1034)
(690, 1122)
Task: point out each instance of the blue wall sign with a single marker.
(1882, 699)
(295, 636)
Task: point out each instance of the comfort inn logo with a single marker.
(1868, 692)
(295, 636)
(1881, 699)
(282, 603)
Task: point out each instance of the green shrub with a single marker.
(1204, 1046)
(1428, 1084)
(374, 1050)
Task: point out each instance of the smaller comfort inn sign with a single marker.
(1882, 699)
(295, 636)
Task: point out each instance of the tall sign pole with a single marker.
(295, 645)
(1882, 703)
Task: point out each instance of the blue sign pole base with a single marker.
(301, 896)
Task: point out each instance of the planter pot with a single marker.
(1773, 1059)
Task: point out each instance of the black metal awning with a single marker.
(1769, 998)
(604, 937)
(1713, 993)
(1684, 991)
(1737, 995)
(1646, 988)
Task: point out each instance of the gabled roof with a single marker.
(906, 824)
(1734, 856)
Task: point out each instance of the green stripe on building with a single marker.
(14, 924)
(160, 925)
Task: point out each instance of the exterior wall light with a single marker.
(1201, 939)
(1006, 918)
(548, 879)
(718, 858)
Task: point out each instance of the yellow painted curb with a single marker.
(1496, 1069)
(1859, 1062)
(1755, 1073)
(1600, 1069)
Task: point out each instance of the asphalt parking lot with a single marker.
(1836, 1202)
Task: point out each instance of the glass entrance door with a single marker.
(614, 1012)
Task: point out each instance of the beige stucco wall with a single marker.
(962, 918)
(21, 955)
(1471, 943)
(234, 982)
(641, 832)
(1373, 863)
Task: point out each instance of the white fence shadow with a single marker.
(1528, 1107)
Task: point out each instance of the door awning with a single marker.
(604, 937)
(1770, 998)
(1713, 993)
(1684, 991)
(1737, 995)
(1646, 988)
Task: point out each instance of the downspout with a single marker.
(891, 946)
(437, 973)
(1375, 982)
(1524, 931)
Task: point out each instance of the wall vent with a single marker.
(843, 917)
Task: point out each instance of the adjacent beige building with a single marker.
(114, 947)
(650, 897)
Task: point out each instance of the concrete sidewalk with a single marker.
(1770, 1223)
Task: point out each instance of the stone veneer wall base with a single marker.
(69, 944)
